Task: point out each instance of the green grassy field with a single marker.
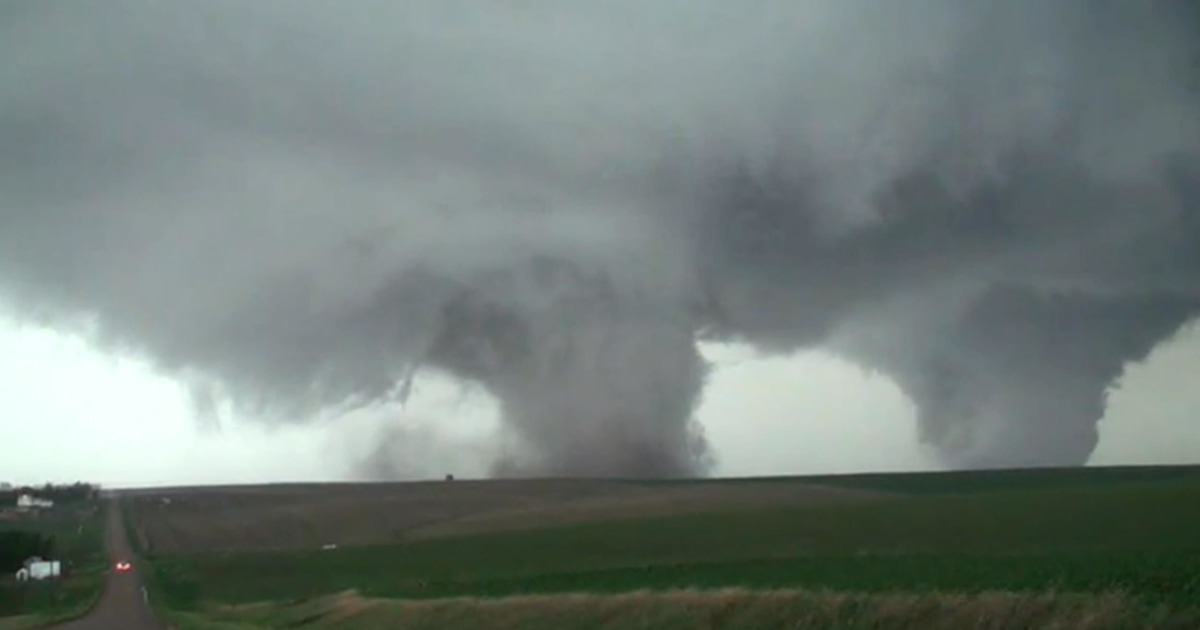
(78, 532)
(1128, 540)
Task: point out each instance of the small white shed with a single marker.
(27, 501)
(38, 569)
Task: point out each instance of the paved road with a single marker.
(122, 606)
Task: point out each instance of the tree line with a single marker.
(59, 493)
(18, 546)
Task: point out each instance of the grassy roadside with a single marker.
(146, 569)
(79, 534)
(174, 617)
(86, 592)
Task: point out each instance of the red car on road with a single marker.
(124, 567)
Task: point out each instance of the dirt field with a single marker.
(313, 515)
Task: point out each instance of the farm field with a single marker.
(309, 516)
(1094, 548)
(77, 531)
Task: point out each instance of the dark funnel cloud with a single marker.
(296, 205)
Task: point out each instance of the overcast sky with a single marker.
(70, 413)
(297, 205)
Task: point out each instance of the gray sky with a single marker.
(295, 208)
(122, 425)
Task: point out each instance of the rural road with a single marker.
(122, 606)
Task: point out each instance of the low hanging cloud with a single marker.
(294, 205)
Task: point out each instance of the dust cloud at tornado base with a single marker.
(297, 205)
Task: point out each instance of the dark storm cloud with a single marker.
(296, 203)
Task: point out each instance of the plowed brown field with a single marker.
(313, 515)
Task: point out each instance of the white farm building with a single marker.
(28, 501)
(36, 568)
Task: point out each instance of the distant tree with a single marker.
(18, 546)
(65, 493)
